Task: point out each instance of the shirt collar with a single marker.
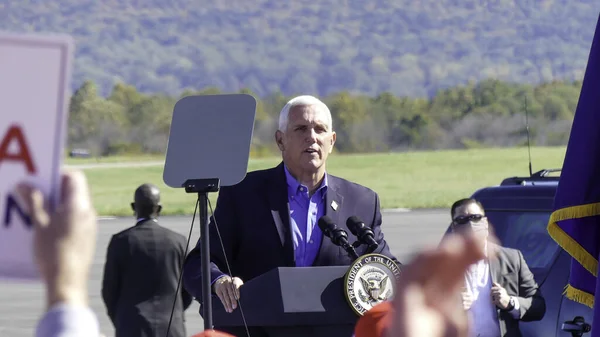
(294, 185)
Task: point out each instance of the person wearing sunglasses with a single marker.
(499, 290)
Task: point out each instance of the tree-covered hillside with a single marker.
(406, 47)
(490, 113)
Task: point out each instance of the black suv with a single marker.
(519, 209)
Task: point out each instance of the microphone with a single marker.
(364, 234)
(338, 236)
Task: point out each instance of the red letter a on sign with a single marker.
(23, 155)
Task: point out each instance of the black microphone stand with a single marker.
(340, 238)
(202, 187)
(370, 249)
(350, 250)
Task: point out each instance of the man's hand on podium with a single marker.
(228, 290)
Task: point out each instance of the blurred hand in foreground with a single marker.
(428, 300)
(64, 239)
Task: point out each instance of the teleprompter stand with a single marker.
(209, 147)
(202, 187)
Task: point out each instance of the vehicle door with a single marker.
(527, 231)
(572, 311)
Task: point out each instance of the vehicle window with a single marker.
(528, 232)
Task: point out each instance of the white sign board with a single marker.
(35, 75)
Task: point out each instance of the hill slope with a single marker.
(408, 47)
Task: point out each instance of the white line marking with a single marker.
(396, 210)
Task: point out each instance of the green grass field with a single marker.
(113, 159)
(403, 180)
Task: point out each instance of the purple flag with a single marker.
(575, 222)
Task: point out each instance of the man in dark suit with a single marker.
(269, 219)
(499, 290)
(141, 274)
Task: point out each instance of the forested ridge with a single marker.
(405, 47)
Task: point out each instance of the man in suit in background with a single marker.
(269, 219)
(500, 289)
(141, 274)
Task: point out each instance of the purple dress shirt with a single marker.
(305, 211)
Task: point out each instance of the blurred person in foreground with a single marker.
(141, 274)
(499, 291)
(64, 244)
(428, 300)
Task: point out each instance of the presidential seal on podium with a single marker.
(370, 280)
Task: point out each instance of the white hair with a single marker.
(302, 101)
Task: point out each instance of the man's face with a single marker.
(470, 218)
(308, 139)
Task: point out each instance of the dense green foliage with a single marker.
(406, 47)
(490, 113)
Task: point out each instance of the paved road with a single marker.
(21, 304)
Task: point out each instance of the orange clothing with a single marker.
(212, 333)
(375, 321)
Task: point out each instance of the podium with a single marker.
(293, 302)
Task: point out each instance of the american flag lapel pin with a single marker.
(334, 205)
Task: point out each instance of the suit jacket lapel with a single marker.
(496, 275)
(333, 204)
(333, 201)
(280, 211)
(495, 269)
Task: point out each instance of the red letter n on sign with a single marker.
(21, 154)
